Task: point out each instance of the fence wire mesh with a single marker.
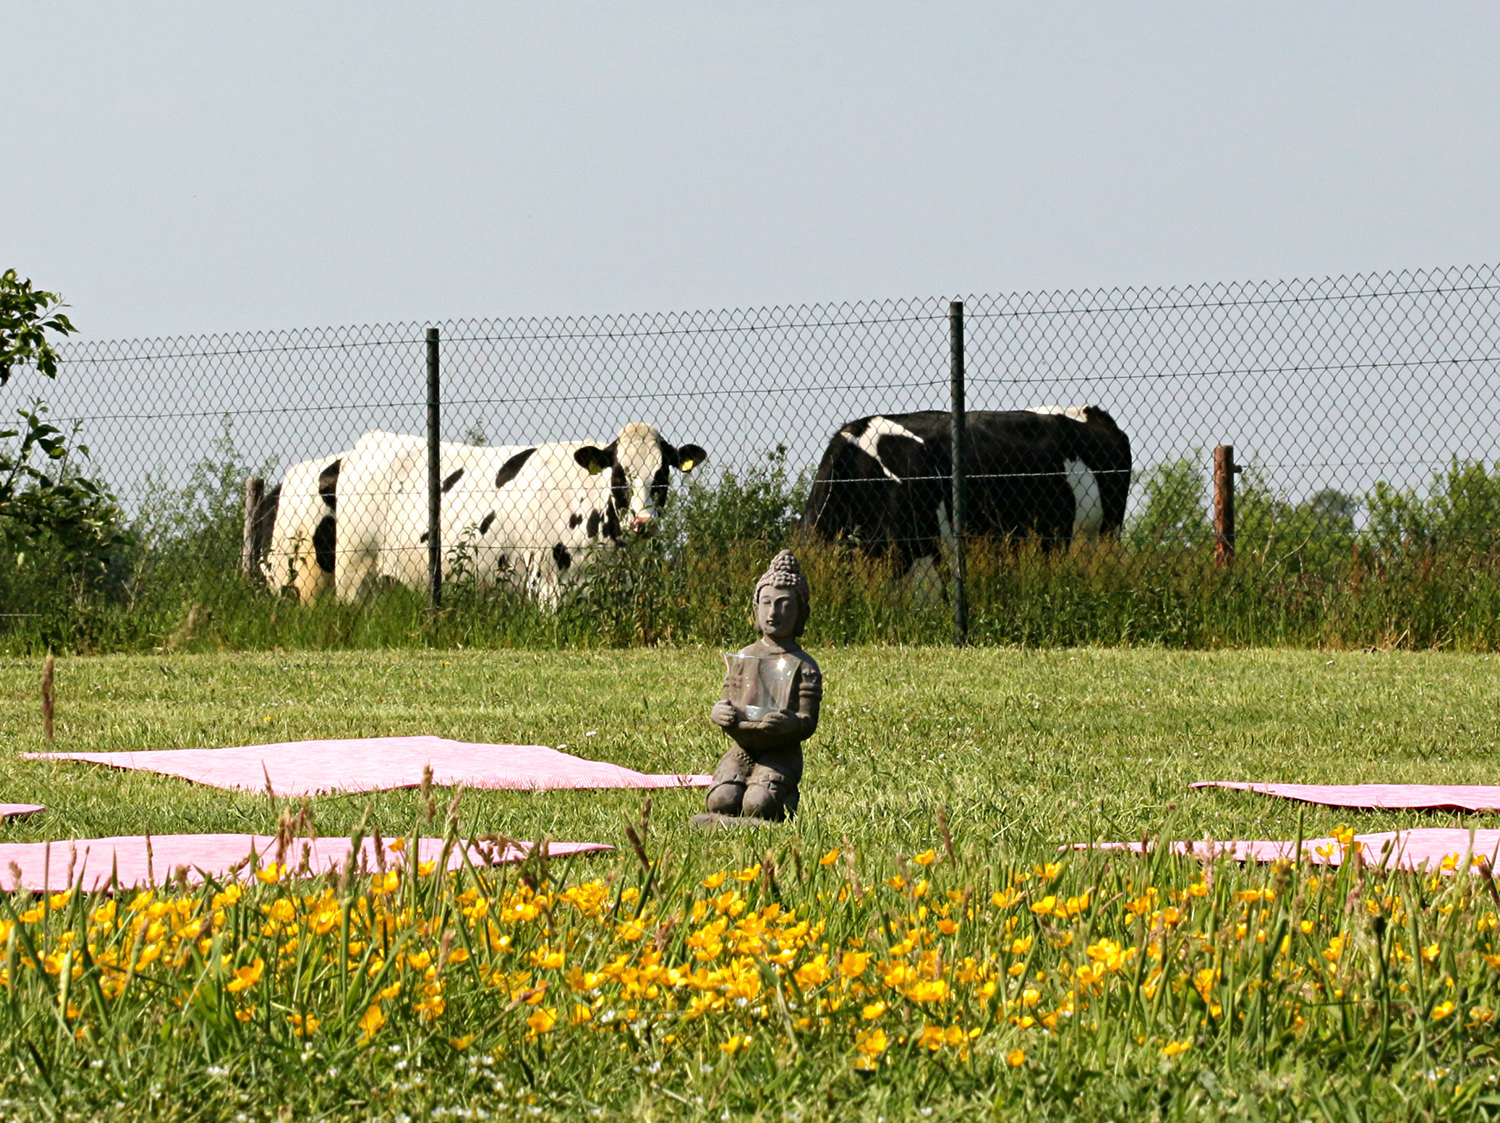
(1361, 407)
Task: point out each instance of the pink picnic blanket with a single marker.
(1419, 849)
(1427, 797)
(93, 863)
(16, 810)
(365, 764)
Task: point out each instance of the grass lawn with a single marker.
(1018, 751)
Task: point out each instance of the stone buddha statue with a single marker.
(768, 707)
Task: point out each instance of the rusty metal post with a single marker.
(250, 548)
(1224, 470)
(434, 476)
(959, 497)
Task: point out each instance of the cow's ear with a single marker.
(593, 459)
(689, 457)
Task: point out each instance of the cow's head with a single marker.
(639, 464)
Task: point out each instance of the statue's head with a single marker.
(783, 582)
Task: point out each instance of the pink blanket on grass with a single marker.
(93, 863)
(365, 764)
(16, 810)
(1406, 797)
(1420, 849)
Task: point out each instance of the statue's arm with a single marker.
(809, 699)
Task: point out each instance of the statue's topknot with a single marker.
(785, 573)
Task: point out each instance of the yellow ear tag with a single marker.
(595, 468)
(687, 464)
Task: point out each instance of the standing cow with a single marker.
(383, 503)
(294, 528)
(530, 514)
(884, 482)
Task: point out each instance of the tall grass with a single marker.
(839, 983)
(1423, 573)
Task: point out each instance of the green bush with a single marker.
(1460, 515)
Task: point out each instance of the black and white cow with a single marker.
(382, 522)
(528, 514)
(294, 528)
(884, 482)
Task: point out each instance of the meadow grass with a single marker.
(945, 781)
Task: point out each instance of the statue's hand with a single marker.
(724, 714)
(774, 722)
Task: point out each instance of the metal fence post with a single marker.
(434, 477)
(956, 387)
(1224, 470)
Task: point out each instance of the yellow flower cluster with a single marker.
(745, 961)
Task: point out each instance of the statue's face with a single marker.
(775, 612)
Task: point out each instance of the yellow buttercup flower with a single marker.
(371, 1020)
(852, 964)
(246, 977)
(928, 990)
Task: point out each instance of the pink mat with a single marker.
(1421, 849)
(89, 863)
(16, 810)
(1415, 797)
(365, 764)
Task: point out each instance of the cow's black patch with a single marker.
(619, 490)
(659, 485)
(484, 523)
(324, 539)
(451, 480)
(898, 454)
(575, 519)
(594, 521)
(561, 556)
(328, 484)
(512, 467)
(265, 520)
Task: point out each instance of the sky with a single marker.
(177, 168)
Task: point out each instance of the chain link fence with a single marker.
(1362, 409)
